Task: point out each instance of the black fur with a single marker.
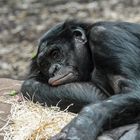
(106, 74)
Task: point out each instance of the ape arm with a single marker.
(93, 117)
(80, 94)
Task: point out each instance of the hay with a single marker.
(29, 121)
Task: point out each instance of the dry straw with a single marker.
(29, 121)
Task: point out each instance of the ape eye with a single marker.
(77, 33)
(55, 54)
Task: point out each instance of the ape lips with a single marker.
(60, 79)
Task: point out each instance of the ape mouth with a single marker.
(61, 79)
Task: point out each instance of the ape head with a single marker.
(63, 55)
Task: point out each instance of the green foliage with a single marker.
(33, 55)
(13, 93)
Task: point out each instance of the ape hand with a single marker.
(85, 126)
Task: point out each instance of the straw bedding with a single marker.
(29, 121)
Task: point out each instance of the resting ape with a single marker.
(96, 64)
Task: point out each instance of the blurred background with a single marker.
(22, 22)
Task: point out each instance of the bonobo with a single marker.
(93, 65)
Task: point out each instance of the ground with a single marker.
(24, 21)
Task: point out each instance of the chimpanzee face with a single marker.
(63, 55)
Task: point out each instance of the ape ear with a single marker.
(79, 35)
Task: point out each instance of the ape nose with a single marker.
(53, 69)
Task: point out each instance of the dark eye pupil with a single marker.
(55, 54)
(77, 34)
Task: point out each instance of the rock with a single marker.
(8, 85)
(5, 109)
